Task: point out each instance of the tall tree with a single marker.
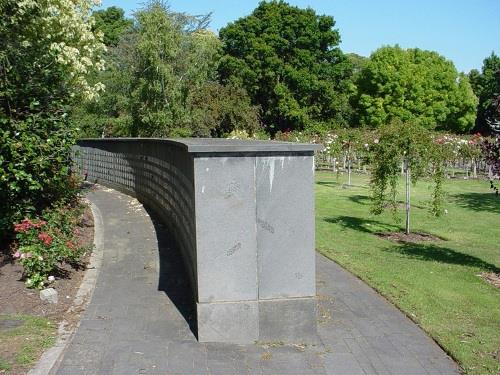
(174, 55)
(112, 23)
(486, 86)
(289, 62)
(414, 85)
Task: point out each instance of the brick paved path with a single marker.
(138, 321)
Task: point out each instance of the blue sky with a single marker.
(464, 31)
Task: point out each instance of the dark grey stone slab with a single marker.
(151, 333)
(230, 322)
(285, 227)
(215, 145)
(288, 320)
(226, 239)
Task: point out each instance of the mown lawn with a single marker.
(435, 283)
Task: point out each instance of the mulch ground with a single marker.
(414, 237)
(15, 298)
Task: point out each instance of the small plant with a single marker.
(44, 244)
(413, 146)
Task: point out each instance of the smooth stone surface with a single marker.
(291, 321)
(228, 322)
(285, 226)
(49, 295)
(219, 145)
(225, 233)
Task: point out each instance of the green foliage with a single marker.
(110, 116)
(112, 23)
(175, 55)
(45, 243)
(486, 86)
(414, 85)
(409, 143)
(288, 61)
(40, 72)
(218, 110)
(162, 81)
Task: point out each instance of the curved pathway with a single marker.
(139, 317)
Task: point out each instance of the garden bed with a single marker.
(27, 324)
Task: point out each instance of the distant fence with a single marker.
(242, 213)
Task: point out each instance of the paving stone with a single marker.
(138, 320)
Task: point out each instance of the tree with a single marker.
(219, 110)
(112, 23)
(413, 145)
(47, 50)
(110, 116)
(288, 61)
(174, 56)
(486, 86)
(414, 85)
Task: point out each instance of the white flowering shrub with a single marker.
(47, 52)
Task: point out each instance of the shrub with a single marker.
(45, 243)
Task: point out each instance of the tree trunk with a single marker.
(334, 165)
(474, 169)
(408, 180)
(349, 166)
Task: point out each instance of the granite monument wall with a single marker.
(242, 213)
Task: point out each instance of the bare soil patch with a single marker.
(491, 278)
(414, 237)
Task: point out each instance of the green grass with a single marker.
(435, 283)
(21, 346)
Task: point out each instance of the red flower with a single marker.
(23, 226)
(40, 224)
(70, 245)
(46, 238)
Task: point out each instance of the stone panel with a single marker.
(225, 229)
(285, 226)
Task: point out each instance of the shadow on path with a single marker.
(477, 201)
(173, 276)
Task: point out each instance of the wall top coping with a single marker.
(220, 145)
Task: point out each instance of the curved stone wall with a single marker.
(242, 213)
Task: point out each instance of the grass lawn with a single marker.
(23, 338)
(434, 283)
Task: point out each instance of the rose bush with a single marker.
(45, 243)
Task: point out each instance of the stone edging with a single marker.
(50, 359)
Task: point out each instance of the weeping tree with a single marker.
(414, 146)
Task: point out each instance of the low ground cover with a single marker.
(440, 283)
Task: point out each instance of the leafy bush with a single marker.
(41, 73)
(46, 242)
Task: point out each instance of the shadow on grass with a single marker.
(360, 199)
(477, 201)
(362, 225)
(331, 184)
(434, 253)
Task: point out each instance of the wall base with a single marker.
(290, 321)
